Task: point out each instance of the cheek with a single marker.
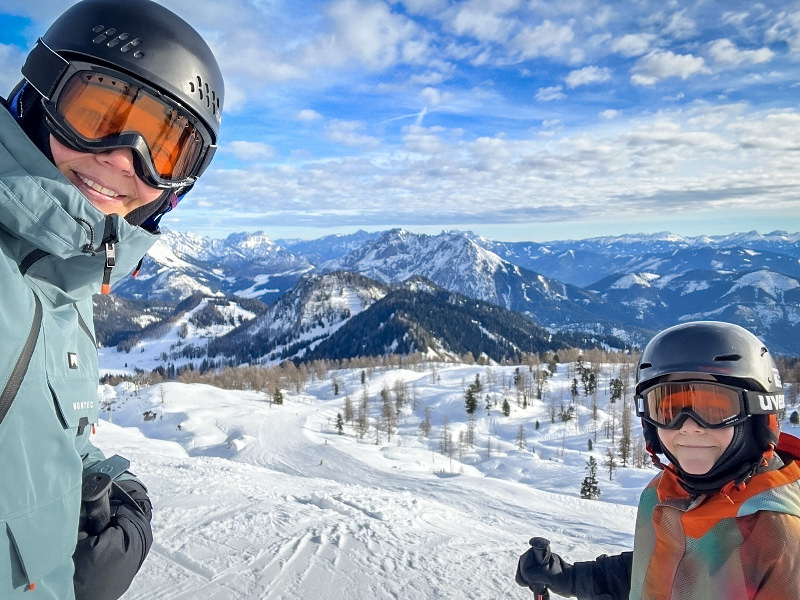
(146, 193)
(665, 436)
(62, 155)
(724, 436)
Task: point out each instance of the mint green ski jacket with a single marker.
(55, 251)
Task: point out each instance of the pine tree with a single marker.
(589, 487)
(471, 399)
(277, 396)
(610, 462)
(506, 407)
(339, 423)
(616, 389)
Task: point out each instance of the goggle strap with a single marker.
(44, 69)
(764, 403)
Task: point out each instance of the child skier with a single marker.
(722, 519)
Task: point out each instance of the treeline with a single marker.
(291, 375)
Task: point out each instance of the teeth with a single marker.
(98, 188)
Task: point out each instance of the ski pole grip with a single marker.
(95, 503)
(541, 551)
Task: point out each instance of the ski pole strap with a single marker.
(113, 467)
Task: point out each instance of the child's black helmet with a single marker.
(726, 351)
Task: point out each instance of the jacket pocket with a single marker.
(41, 545)
(72, 369)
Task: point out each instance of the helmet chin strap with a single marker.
(141, 216)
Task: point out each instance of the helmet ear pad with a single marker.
(651, 439)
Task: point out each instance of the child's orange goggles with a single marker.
(711, 405)
(96, 110)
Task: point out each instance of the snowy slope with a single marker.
(259, 501)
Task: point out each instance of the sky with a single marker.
(516, 119)
(260, 502)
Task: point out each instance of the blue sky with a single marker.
(516, 119)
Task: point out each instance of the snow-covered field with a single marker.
(260, 501)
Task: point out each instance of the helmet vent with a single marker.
(645, 365)
(727, 357)
(109, 35)
(207, 95)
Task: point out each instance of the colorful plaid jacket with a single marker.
(743, 545)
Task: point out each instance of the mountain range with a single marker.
(395, 291)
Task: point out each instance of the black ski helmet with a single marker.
(140, 38)
(730, 355)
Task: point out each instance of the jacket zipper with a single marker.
(109, 246)
(21, 367)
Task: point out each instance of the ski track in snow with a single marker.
(259, 502)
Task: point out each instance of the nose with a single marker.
(690, 425)
(119, 159)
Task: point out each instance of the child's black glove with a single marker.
(536, 569)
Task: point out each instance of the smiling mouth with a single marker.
(97, 187)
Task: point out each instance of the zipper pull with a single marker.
(109, 245)
(111, 262)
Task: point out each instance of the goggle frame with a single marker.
(750, 403)
(143, 162)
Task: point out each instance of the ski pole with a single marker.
(95, 505)
(541, 551)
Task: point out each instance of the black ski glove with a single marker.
(106, 563)
(538, 568)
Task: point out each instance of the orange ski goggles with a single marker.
(711, 405)
(94, 109)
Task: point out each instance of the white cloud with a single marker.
(725, 52)
(547, 39)
(424, 140)
(427, 78)
(735, 18)
(609, 114)
(588, 75)
(307, 115)
(492, 154)
(349, 134)
(633, 44)
(250, 151)
(548, 94)
(432, 97)
(786, 29)
(369, 33)
(679, 25)
(662, 64)
(484, 21)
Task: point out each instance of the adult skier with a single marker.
(721, 521)
(116, 117)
